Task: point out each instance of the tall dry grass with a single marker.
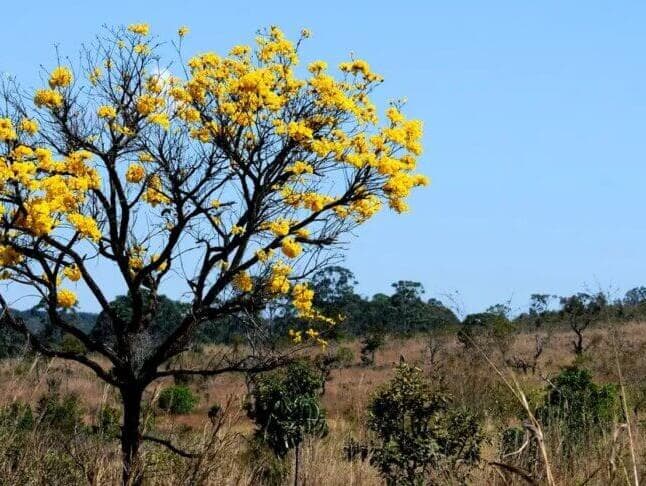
(479, 381)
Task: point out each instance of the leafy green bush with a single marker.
(177, 399)
(421, 438)
(62, 413)
(17, 416)
(108, 421)
(285, 405)
(71, 344)
(577, 407)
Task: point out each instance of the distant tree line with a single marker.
(404, 312)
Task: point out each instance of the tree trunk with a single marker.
(297, 460)
(130, 435)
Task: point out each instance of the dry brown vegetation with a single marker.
(227, 459)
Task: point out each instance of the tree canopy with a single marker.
(233, 174)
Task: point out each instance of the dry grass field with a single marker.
(468, 375)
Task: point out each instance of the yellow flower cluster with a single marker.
(279, 227)
(302, 297)
(148, 104)
(48, 98)
(139, 29)
(85, 225)
(9, 256)
(160, 119)
(279, 278)
(135, 173)
(7, 131)
(66, 298)
(72, 272)
(29, 126)
(107, 111)
(60, 77)
(154, 194)
(291, 248)
(242, 282)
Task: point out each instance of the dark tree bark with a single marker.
(131, 435)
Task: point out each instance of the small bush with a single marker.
(577, 407)
(17, 416)
(422, 439)
(285, 405)
(71, 344)
(61, 413)
(177, 399)
(108, 421)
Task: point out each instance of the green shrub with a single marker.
(17, 416)
(577, 407)
(345, 356)
(108, 421)
(71, 344)
(177, 399)
(421, 438)
(62, 413)
(285, 406)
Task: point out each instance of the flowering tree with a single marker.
(232, 175)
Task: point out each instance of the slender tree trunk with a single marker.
(131, 436)
(297, 460)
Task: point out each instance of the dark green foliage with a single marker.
(167, 316)
(108, 421)
(71, 344)
(579, 311)
(285, 405)
(491, 328)
(578, 407)
(421, 438)
(177, 399)
(17, 416)
(370, 343)
(12, 343)
(61, 413)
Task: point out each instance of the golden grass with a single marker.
(463, 373)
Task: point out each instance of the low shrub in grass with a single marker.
(177, 399)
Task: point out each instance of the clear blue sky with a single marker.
(535, 121)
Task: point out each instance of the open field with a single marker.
(463, 373)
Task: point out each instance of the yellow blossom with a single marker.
(160, 119)
(139, 29)
(60, 77)
(291, 248)
(29, 126)
(48, 98)
(106, 111)
(295, 336)
(302, 297)
(72, 272)
(7, 131)
(135, 173)
(242, 282)
(66, 298)
(85, 225)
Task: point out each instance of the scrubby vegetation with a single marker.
(555, 394)
(430, 409)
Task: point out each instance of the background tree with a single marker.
(230, 177)
(579, 311)
(285, 405)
